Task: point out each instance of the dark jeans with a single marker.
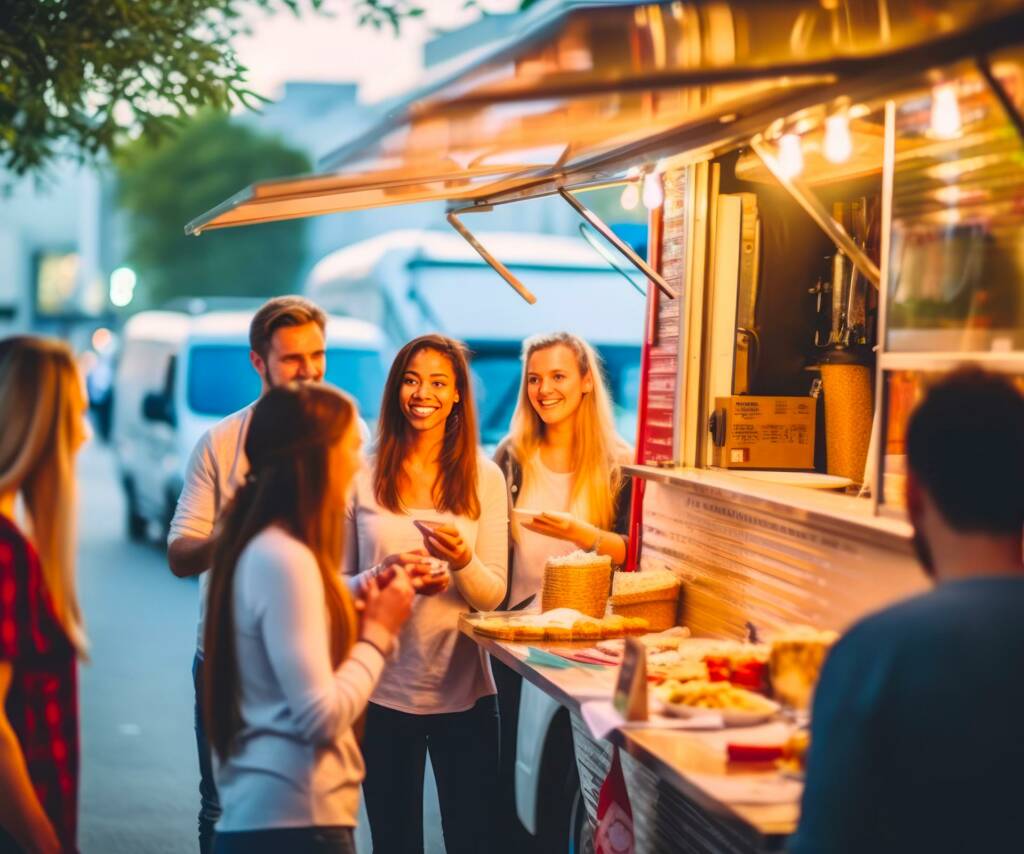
(463, 749)
(509, 834)
(209, 801)
(326, 839)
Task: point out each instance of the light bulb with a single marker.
(838, 144)
(654, 192)
(791, 156)
(945, 111)
(630, 196)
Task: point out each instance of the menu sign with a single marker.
(630, 698)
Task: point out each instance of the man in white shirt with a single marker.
(287, 340)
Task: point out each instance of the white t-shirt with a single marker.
(216, 469)
(436, 669)
(550, 491)
(297, 762)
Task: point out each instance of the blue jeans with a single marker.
(326, 839)
(209, 801)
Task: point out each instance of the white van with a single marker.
(180, 374)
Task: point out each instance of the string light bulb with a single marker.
(791, 155)
(945, 119)
(630, 197)
(654, 191)
(838, 142)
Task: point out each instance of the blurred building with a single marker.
(62, 240)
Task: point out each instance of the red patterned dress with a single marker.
(42, 700)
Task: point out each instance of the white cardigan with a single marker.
(296, 762)
(436, 669)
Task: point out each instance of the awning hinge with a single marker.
(619, 244)
(481, 250)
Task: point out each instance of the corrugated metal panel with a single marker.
(742, 564)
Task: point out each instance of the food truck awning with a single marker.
(581, 84)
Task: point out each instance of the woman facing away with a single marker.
(562, 460)
(427, 484)
(42, 410)
(289, 666)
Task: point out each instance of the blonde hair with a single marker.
(596, 447)
(42, 404)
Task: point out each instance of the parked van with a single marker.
(411, 282)
(180, 374)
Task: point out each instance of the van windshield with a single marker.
(221, 379)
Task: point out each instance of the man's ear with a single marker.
(258, 364)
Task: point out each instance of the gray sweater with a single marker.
(296, 761)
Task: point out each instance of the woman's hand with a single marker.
(385, 609)
(562, 526)
(445, 543)
(421, 569)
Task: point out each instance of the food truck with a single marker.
(836, 217)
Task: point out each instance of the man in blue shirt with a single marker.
(917, 740)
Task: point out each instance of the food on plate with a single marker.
(556, 626)
(636, 626)
(651, 594)
(722, 696)
(682, 670)
(795, 663)
(613, 626)
(578, 580)
(794, 751)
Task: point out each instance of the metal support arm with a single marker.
(619, 244)
(496, 265)
(817, 211)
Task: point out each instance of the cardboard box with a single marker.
(763, 432)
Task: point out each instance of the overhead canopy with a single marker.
(581, 84)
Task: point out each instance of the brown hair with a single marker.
(42, 404)
(278, 312)
(289, 444)
(455, 489)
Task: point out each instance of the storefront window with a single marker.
(957, 251)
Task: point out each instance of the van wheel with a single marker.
(581, 834)
(136, 524)
(562, 823)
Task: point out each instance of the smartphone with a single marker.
(427, 526)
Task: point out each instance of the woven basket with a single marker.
(660, 615)
(658, 605)
(584, 588)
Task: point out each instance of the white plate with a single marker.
(522, 514)
(806, 479)
(730, 717)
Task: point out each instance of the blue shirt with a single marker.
(917, 738)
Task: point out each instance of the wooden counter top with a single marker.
(688, 760)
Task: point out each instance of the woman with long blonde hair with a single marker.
(43, 411)
(288, 666)
(562, 461)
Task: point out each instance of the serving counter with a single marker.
(684, 794)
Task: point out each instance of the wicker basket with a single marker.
(660, 606)
(582, 586)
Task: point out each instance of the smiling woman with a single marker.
(428, 490)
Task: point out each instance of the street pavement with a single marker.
(139, 774)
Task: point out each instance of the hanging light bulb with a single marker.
(945, 111)
(630, 197)
(791, 155)
(838, 143)
(654, 192)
